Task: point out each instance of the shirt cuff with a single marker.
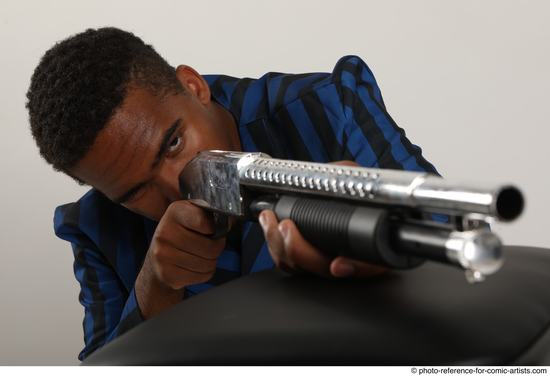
(131, 314)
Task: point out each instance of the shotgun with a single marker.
(398, 219)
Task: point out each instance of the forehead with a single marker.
(141, 111)
(128, 142)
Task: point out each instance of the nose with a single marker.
(167, 181)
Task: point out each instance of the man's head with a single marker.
(110, 112)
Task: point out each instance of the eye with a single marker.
(174, 144)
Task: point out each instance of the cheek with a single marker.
(151, 205)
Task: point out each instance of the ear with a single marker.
(193, 82)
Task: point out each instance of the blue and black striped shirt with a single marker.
(319, 117)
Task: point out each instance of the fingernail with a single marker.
(345, 270)
(262, 219)
(283, 229)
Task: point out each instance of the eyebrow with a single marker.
(160, 153)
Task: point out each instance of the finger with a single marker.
(191, 217)
(189, 241)
(345, 163)
(275, 244)
(184, 260)
(301, 253)
(343, 267)
(177, 277)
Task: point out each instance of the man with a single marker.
(108, 111)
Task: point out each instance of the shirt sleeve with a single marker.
(372, 137)
(109, 310)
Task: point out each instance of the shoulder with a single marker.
(350, 65)
(251, 98)
(68, 218)
(288, 88)
(94, 221)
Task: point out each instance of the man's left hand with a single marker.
(291, 252)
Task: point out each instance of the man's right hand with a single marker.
(181, 253)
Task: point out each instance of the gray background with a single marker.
(467, 80)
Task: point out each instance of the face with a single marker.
(137, 158)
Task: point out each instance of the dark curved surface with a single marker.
(426, 316)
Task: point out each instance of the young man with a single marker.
(108, 111)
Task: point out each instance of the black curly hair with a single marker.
(80, 82)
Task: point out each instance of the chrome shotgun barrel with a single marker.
(230, 183)
(418, 190)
